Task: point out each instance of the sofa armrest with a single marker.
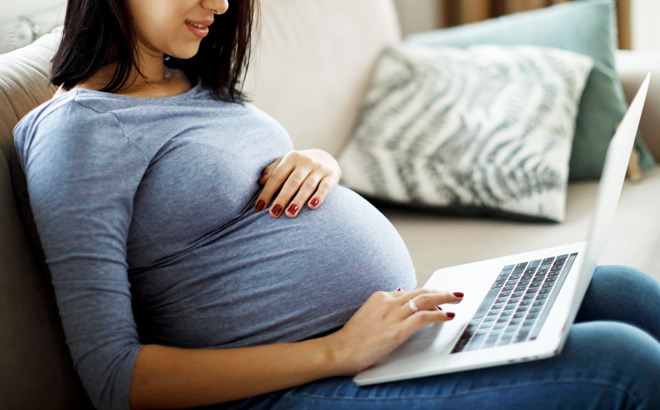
(632, 67)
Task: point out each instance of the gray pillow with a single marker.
(487, 128)
(584, 27)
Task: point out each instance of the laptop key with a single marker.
(535, 263)
(520, 267)
(490, 341)
(521, 337)
(460, 345)
(498, 326)
(504, 341)
(475, 342)
(470, 330)
(485, 304)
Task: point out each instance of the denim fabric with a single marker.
(610, 361)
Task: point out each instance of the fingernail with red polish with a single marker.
(292, 209)
(277, 210)
(438, 307)
(398, 290)
(458, 294)
(260, 205)
(450, 315)
(315, 202)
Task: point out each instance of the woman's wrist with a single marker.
(336, 357)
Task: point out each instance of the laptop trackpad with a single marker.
(474, 280)
(443, 336)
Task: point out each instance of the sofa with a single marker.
(310, 70)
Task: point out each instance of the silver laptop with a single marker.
(520, 307)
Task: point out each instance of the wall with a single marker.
(422, 15)
(645, 30)
(416, 15)
(14, 8)
(419, 15)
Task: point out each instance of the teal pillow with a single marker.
(584, 27)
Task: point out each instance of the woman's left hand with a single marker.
(302, 177)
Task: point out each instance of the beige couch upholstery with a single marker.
(310, 72)
(312, 69)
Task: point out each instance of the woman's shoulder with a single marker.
(64, 112)
(69, 125)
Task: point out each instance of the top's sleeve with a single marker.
(82, 173)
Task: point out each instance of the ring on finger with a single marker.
(413, 306)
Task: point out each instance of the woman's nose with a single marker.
(216, 6)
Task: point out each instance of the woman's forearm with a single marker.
(166, 377)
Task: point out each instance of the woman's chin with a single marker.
(185, 53)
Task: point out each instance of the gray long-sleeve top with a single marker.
(145, 211)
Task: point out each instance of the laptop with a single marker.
(516, 308)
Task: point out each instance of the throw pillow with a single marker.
(487, 128)
(585, 27)
(19, 32)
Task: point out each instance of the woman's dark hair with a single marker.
(98, 32)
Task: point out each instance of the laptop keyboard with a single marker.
(517, 304)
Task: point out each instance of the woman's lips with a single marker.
(199, 28)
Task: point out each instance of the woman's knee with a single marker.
(626, 280)
(624, 294)
(618, 354)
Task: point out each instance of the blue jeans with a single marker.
(611, 360)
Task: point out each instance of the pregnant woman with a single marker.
(199, 260)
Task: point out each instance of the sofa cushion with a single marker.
(435, 242)
(313, 62)
(21, 31)
(486, 129)
(24, 84)
(37, 371)
(585, 27)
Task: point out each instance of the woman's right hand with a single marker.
(382, 323)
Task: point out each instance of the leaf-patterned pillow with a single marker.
(487, 128)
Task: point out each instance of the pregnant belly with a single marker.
(273, 280)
